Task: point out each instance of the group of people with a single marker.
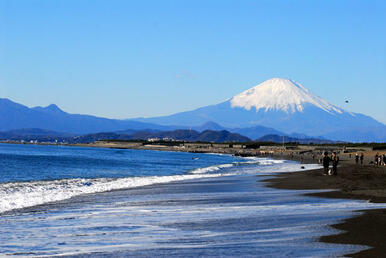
(326, 159)
(359, 157)
(380, 160)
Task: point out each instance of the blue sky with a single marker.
(124, 59)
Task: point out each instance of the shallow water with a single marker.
(200, 208)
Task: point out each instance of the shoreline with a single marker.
(354, 181)
(218, 214)
(363, 182)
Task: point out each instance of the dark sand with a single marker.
(366, 182)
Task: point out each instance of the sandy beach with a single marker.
(232, 216)
(365, 182)
(354, 181)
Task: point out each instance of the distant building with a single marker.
(239, 146)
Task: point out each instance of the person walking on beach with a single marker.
(326, 163)
(356, 158)
(335, 161)
(362, 157)
(376, 159)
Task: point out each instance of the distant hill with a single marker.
(17, 116)
(181, 135)
(209, 126)
(193, 136)
(35, 134)
(256, 132)
(88, 138)
(253, 132)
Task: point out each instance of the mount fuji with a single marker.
(286, 106)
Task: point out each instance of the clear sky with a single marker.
(124, 59)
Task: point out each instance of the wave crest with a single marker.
(26, 194)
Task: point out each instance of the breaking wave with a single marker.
(210, 169)
(26, 194)
(249, 161)
(17, 195)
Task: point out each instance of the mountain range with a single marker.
(286, 106)
(14, 117)
(40, 135)
(35, 134)
(274, 107)
(17, 116)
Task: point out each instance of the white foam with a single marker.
(249, 161)
(19, 195)
(210, 169)
(262, 161)
(26, 194)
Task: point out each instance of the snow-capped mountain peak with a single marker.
(281, 94)
(285, 106)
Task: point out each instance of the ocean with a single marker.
(91, 202)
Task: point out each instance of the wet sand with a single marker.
(230, 216)
(354, 181)
(365, 182)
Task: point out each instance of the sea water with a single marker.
(57, 200)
